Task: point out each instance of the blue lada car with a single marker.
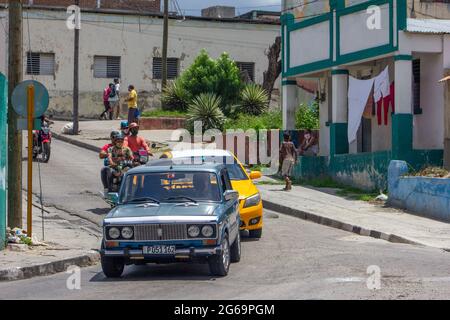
(173, 213)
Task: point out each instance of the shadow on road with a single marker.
(100, 211)
(163, 272)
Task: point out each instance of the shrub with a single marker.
(307, 117)
(267, 120)
(254, 100)
(221, 77)
(175, 96)
(206, 108)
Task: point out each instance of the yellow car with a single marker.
(250, 202)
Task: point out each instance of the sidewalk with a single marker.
(95, 134)
(374, 220)
(68, 241)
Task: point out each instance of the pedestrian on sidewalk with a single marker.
(288, 158)
(106, 95)
(114, 99)
(132, 104)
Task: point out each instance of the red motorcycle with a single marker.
(42, 140)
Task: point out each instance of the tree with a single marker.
(274, 67)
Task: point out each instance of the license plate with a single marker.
(169, 250)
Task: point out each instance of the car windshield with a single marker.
(170, 187)
(233, 167)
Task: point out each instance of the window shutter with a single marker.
(416, 86)
(172, 68)
(47, 64)
(33, 63)
(249, 67)
(106, 67)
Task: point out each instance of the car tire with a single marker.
(255, 233)
(112, 266)
(235, 250)
(219, 264)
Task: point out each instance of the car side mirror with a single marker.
(231, 195)
(255, 175)
(113, 198)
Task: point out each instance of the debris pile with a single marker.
(18, 236)
(433, 172)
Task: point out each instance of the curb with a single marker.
(20, 273)
(75, 142)
(337, 224)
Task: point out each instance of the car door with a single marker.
(231, 206)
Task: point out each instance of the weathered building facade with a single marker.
(127, 44)
(339, 43)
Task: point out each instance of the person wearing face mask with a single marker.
(135, 142)
(309, 146)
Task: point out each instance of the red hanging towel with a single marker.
(379, 105)
(387, 101)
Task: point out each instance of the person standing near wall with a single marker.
(106, 103)
(132, 104)
(114, 99)
(288, 158)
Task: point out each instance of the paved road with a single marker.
(295, 259)
(71, 181)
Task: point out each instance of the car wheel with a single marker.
(235, 251)
(255, 233)
(112, 266)
(219, 264)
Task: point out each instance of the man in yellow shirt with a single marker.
(133, 111)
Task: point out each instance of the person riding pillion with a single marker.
(106, 172)
(135, 142)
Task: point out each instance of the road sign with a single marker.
(19, 99)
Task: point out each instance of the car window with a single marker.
(172, 187)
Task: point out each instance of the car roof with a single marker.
(167, 165)
(201, 153)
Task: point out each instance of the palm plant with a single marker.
(206, 108)
(175, 97)
(254, 100)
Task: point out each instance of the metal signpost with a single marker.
(30, 99)
(3, 157)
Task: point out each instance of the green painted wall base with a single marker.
(402, 136)
(338, 138)
(367, 171)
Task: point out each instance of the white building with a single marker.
(127, 45)
(332, 40)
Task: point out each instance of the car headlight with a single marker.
(193, 231)
(114, 233)
(127, 233)
(252, 201)
(207, 231)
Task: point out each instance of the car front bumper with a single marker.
(186, 253)
(250, 213)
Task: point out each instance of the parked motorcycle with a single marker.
(42, 140)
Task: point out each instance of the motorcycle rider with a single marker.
(124, 128)
(117, 154)
(106, 170)
(135, 142)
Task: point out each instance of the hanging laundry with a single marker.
(381, 90)
(358, 94)
(368, 110)
(389, 101)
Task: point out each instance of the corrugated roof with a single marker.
(436, 26)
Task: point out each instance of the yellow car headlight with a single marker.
(252, 201)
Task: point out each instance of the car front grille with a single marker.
(154, 232)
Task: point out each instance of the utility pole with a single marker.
(165, 44)
(15, 71)
(76, 58)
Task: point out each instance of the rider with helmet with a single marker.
(119, 152)
(124, 128)
(135, 142)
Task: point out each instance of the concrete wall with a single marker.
(3, 157)
(429, 197)
(429, 126)
(137, 40)
(427, 9)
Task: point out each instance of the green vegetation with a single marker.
(206, 108)
(307, 117)
(164, 113)
(175, 97)
(254, 100)
(267, 120)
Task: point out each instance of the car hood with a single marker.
(164, 209)
(246, 188)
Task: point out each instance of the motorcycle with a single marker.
(42, 140)
(140, 158)
(117, 175)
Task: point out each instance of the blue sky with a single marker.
(193, 7)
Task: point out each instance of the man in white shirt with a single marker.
(114, 100)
